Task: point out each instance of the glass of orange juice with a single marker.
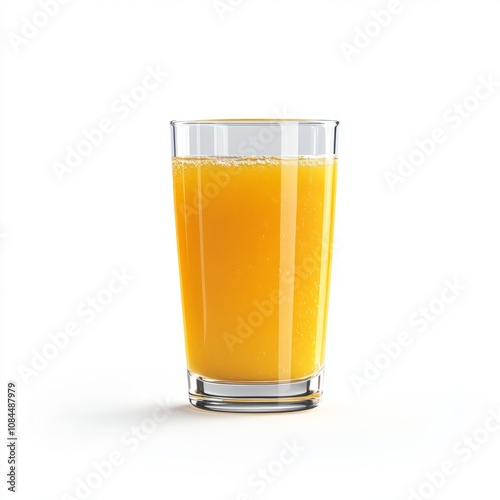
(254, 206)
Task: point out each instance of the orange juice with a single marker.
(254, 243)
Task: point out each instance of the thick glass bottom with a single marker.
(255, 397)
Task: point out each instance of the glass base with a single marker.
(255, 397)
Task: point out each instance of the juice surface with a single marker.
(254, 242)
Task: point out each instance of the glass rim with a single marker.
(256, 121)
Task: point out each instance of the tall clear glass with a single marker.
(254, 207)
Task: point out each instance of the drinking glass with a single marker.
(254, 208)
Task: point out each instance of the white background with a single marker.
(60, 241)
